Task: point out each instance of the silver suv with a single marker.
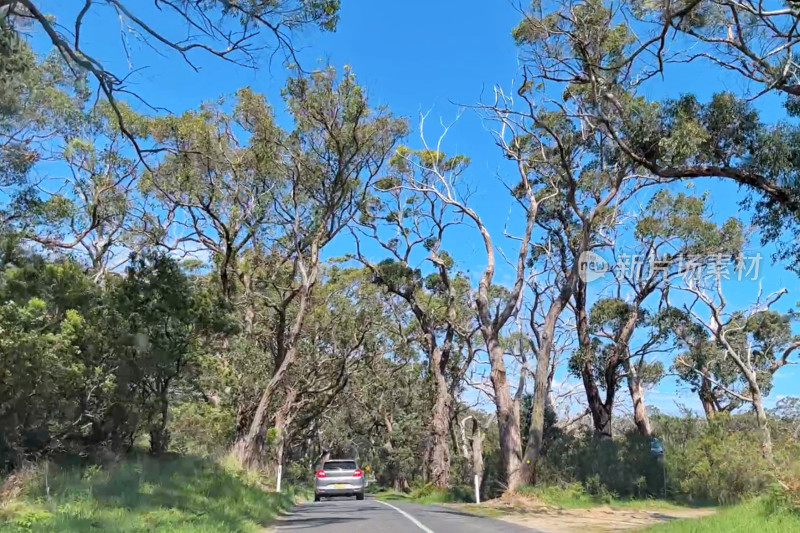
(339, 477)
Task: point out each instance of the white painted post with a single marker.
(280, 473)
(477, 490)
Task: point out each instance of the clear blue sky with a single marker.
(418, 56)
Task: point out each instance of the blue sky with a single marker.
(419, 56)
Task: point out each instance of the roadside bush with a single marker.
(605, 468)
(716, 461)
(200, 428)
(430, 494)
(721, 460)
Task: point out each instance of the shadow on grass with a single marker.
(181, 495)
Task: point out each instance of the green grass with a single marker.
(179, 495)
(744, 518)
(573, 496)
(428, 494)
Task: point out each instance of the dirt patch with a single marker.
(549, 519)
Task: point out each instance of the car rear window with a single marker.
(339, 465)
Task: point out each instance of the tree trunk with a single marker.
(477, 458)
(533, 448)
(439, 459)
(159, 436)
(281, 421)
(600, 410)
(541, 386)
(507, 415)
(637, 397)
(707, 396)
(601, 414)
(761, 416)
(249, 448)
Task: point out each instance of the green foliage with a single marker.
(185, 495)
(721, 460)
(84, 365)
(705, 461)
(751, 516)
(429, 494)
(200, 428)
(621, 467)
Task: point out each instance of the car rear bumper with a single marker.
(339, 491)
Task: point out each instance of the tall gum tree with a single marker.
(757, 340)
(336, 150)
(588, 61)
(237, 32)
(447, 189)
(601, 57)
(265, 203)
(409, 227)
(672, 239)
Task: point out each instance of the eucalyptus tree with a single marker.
(68, 179)
(328, 161)
(230, 31)
(592, 178)
(443, 182)
(700, 363)
(411, 228)
(587, 63)
(216, 189)
(757, 340)
(600, 57)
(752, 39)
(673, 238)
(383, 414)
(90, 211)
(340, 338)
(264, 202)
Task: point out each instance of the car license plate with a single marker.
(340, 486)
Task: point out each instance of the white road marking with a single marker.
(409, 517)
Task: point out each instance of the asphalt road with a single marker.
(347, 515)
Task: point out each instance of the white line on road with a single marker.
(409, 517)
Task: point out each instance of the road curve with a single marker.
(351, 516)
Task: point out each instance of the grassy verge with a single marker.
(179, 495)
(565, 497)
(575, 497)
(427, 495)
(745, 518)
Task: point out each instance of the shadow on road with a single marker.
(312, 516)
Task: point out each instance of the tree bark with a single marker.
(439, 463)
(541, 386)
(477, 451)
(282, 420)
(761, 414)
(600, 410)
(159, 436)
(706, 395)
(637, 397)
(507, 415)
(249, 448)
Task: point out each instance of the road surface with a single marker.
(347, 515)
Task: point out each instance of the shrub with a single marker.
(720, 461)
(430, 494)
(604, 467)
(200, 428)
(705, 461)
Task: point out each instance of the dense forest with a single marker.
(273, 280)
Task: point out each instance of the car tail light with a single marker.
(320, 473)
(358, 473)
